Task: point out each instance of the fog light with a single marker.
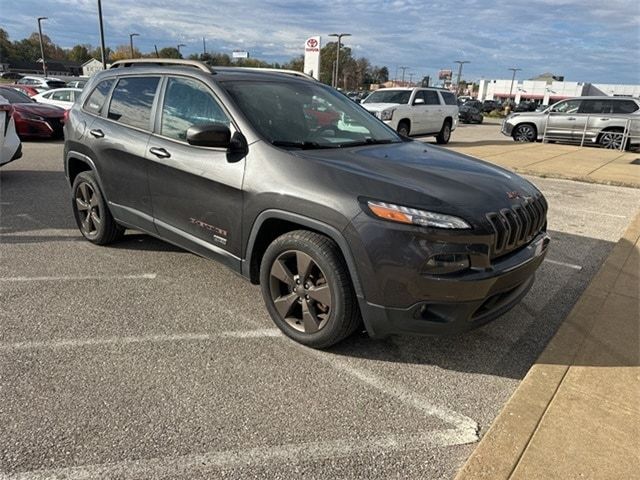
(446, 263)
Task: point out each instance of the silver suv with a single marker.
(607, 121)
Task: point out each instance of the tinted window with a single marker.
(449, 98)
(624, 106)
(431, 97)
(132, 99)
(96, 100)
(187, 103)
(13, 96)
(595, 106)
(56, 84)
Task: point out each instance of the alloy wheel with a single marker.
(88, 209)
(300, 291)
(446, 133)
(525, 133)
(611, 140)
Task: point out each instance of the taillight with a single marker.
(65, 116)
(6, 107)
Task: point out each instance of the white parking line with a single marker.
(466, 429)
(564, 264)
(290, 454)
(178, 337)
(75, 278)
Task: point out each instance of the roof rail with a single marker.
(294, 73)
(133, 62)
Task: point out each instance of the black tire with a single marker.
(403, 128)
(327, 278)
(481, 119)
(91, 212)
(444, 135)
(525, 133)
(612, 139)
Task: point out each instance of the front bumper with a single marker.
(506, 128)
(457, 304)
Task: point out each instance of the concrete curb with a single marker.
(576, 350)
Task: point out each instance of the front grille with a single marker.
(518, 225)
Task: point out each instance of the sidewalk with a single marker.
(586, 164)
(577, 412)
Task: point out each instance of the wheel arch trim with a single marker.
(331, 232)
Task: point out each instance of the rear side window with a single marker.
(56, 84)
(63, 96)
(595, 106)
(96, 100)
(624, 106)
(431, 97)
(132, 99)
(186, 103)
(449, 98)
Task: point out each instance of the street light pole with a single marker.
(403, 70)
(44, 62)
(102, 47)
(180, 45)
(514, 70)
(337, 70)
(131, 35)
(461, 63)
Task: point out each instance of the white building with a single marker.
(545, 93)
(92, 66)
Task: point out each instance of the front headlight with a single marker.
(386, 115)
(413, 216)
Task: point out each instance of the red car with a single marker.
(33, 120)
(24, 89)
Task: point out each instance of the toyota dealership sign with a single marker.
(312, 57)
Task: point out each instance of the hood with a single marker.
(41, 109)
(378, 107)
(419, 175)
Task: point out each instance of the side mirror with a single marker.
(214, 135)
(418, 101)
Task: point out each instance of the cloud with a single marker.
(585, 40)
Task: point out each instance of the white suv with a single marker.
(416, 111)
(41, 83)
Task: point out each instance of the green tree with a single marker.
(169, 52)
(7, 53)
(79, 53)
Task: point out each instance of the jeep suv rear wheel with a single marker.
(307, 290)
(91, 212)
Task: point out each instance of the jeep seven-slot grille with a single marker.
(518, 225)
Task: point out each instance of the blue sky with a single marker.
(585, 40)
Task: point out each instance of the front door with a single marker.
(196, 191)
(561, 120)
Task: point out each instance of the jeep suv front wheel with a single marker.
(307, 290)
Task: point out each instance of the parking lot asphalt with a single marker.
(141, 360)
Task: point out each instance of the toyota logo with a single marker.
(312, 43)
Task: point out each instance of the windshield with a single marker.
(306, 115)
(389, 96)
(14, 96)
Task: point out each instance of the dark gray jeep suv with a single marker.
(288, 182)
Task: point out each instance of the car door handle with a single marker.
(97, 133)
(159, 152)
(571, 118)
(605, 119)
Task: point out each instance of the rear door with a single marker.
(593, 116)
(196, 191)
(118, 139)
(435, 115)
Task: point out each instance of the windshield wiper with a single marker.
(368, 141)
(301, 145)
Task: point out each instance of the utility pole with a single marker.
(204, 46)
(514, 70)
(403, 70)
(44, 62)
(410, 78)
(156, 49)
(102, 47)
(131, 35)
(461, 63)
(337, 69)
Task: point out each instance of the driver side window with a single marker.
(570, 106)
(186, 103)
